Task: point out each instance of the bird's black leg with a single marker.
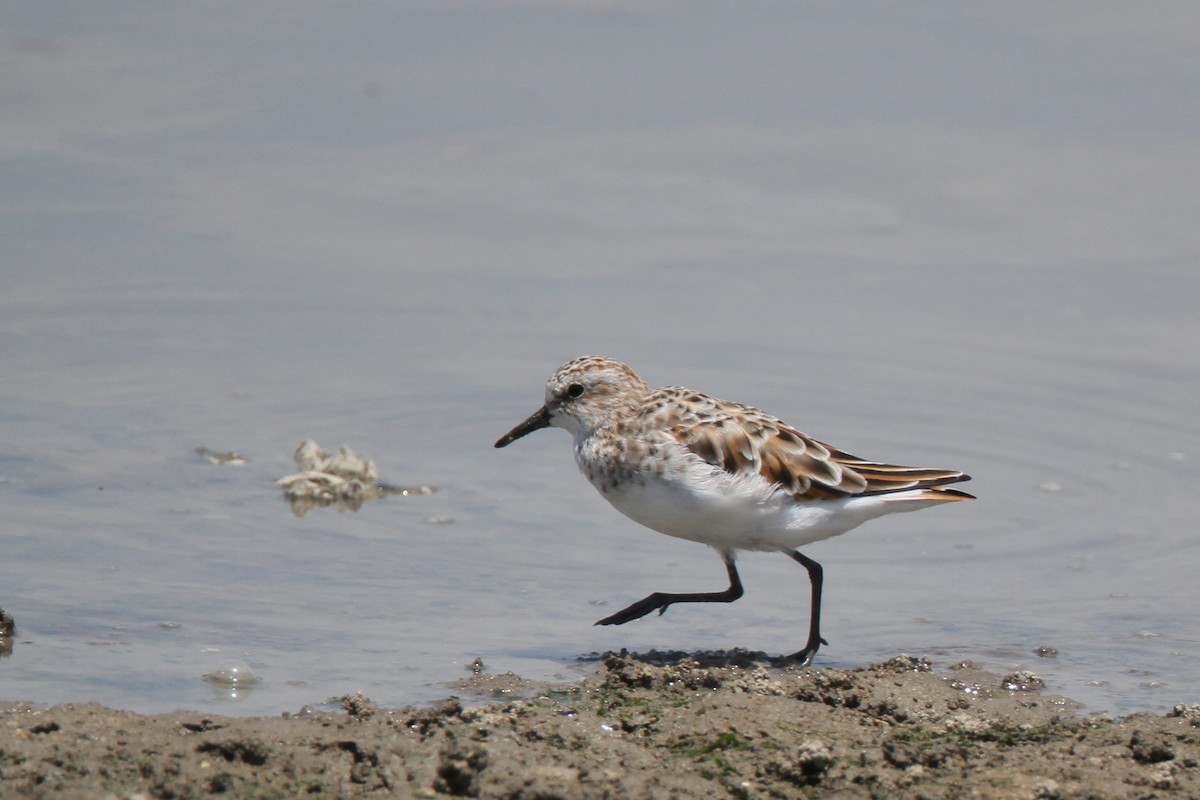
(815, 577)
(659, 601)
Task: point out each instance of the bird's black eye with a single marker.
(574, 390)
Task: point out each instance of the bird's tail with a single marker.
(931, 494)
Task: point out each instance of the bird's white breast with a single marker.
(679, 494)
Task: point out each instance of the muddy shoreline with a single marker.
(656, 725)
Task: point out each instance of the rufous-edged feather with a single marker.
(743, 439)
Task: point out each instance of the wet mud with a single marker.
(647, 726)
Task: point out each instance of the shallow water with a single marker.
(384, 227)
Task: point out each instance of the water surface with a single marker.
(954, 238)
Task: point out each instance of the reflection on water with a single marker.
(232, 681)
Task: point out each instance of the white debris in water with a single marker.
(342, 479)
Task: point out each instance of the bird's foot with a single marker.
(655, 602)
(805, 656)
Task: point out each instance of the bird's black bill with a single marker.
(540, 419)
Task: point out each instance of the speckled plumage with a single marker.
(721, 473)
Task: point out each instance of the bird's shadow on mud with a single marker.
(737, 657)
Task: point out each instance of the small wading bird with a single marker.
(721, 473)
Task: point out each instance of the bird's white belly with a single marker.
(735, 512)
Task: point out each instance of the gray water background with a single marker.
(939, 234)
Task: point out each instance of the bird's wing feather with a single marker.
(741, 439)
